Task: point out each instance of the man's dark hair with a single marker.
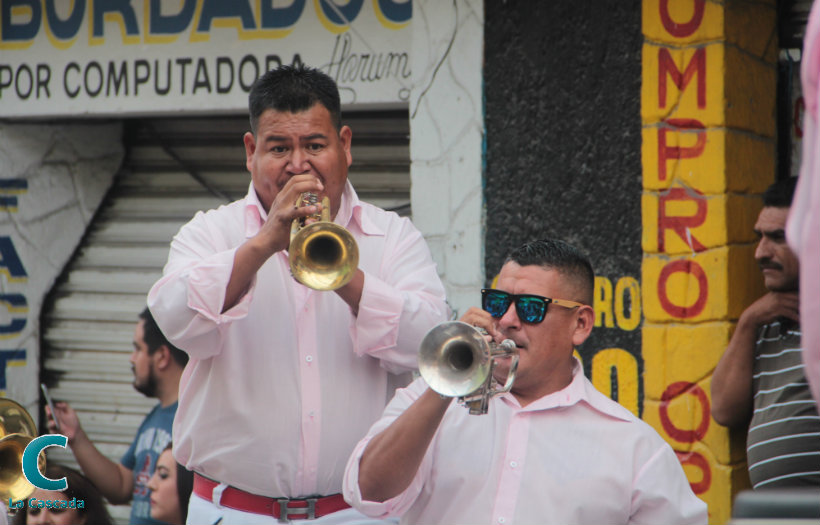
(562, 257)
(781, 193)
(154, 338)
(294, 89)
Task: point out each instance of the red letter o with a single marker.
(671, 392)
(681, 30)
(692, 268)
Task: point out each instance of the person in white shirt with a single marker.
(285, 379)
(553, 450)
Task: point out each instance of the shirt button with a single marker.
(513, 464)
(501, 520)
(309, 359)
(311, 413)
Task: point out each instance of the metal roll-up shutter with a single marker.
(173, 168)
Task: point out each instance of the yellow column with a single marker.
(708, 128)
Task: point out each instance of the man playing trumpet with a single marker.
(552, 450)
(283, 379)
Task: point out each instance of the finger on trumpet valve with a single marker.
(481, 330)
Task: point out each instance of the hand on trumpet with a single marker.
(484, 321)
(275, 233)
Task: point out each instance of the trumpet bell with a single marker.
(14, 419)
(13, 484)
(454, 359)
(323, 256)
(17, 429)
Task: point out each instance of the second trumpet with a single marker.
(456, 361)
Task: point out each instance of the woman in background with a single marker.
(79, 488)
(171, 486)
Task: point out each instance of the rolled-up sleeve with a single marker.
(400, 302)
(402, 502)
(187, 301)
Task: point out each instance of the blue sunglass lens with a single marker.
(496, 303)
(531, 309)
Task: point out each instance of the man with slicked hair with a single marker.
(552, 450)
(157, 365)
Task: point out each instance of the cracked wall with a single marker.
(447, 132)
(53, 178)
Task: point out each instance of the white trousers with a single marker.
(204, 512)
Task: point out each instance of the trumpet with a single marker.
(322, 255)
(456, 361)
(18, 429)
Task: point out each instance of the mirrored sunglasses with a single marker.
(530, 308)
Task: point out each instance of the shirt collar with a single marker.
(255, 214)
(350, 211)
(781, 327)
(577, 391)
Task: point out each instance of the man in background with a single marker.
(157, 366)
(760, 379)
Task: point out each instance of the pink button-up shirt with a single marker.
(280, 387)
(574, 456)
(803, 229)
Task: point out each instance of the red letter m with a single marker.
(696, 65)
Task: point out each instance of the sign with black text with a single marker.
(107, 57)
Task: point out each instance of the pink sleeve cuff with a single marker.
(353, 494)
(401, 503)
(395, 506)
(377, 323)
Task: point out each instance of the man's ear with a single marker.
(250, 149)
(162, 357)
(346, 138)
(584, 322)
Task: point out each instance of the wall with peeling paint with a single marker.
(708, 104)
(54, 177)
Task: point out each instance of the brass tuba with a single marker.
(323, 255)
(456, 361)
(17, 430)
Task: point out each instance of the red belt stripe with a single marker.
(237, 499)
